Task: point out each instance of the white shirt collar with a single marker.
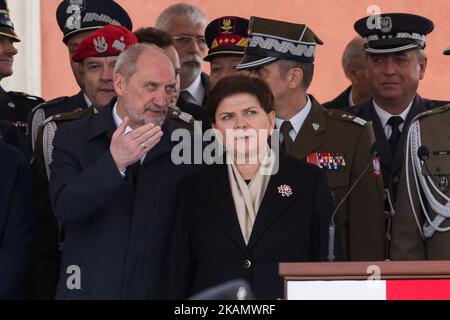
(297, 120)
(351, 103)
(384, 115)
(197, 91)
(117, 120)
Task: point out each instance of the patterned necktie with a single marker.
(286, 127)
(394, 122)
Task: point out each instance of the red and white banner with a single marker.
(369, 290)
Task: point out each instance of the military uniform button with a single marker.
(247, 264)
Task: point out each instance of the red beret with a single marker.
(111, 40)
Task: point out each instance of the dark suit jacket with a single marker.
(10, 134)
(198, 112)
(391, 164)
(115, 232)
(16, 222)
(209, 248)
(341, 101)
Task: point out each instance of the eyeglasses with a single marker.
(186, 40)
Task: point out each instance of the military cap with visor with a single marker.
(6, 25)
(272, 40)
(393, 32)
(75, 16)
(226, 36)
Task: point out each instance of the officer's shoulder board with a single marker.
(347, 117)
(50, 103)
(432, 112)
(26, 96)
(432, 104)
(69, 116)
(176, 113)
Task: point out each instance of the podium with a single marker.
(399, 280)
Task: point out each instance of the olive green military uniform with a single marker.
(412, 236)
(45, 261)
(348, 138)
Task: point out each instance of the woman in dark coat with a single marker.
(240, 219)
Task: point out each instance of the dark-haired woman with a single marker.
(240, 219)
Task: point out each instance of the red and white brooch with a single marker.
(285, 190)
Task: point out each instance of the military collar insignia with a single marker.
(316, 126)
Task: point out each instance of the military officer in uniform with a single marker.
(14, 106)
(395, 63)
(282, 53)
(421, 225)
(77, 20)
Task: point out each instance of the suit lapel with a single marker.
(309, 138)
(218, 199)
(274, 204)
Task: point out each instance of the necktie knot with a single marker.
(395, 121)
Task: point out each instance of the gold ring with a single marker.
(143, 145)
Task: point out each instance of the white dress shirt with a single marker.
(384, 117)
(296, 121)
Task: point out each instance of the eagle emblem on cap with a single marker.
(385, 24)
(100, 44)
(227, 26)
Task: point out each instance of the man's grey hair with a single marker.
(307, 68)
(185, 10)
(126, 64)
(353, 55)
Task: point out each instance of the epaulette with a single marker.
(50, 103)
(176, 113)
(432, 112)
(344, 116)
(69, 116)
(25, 95)
(431, 104)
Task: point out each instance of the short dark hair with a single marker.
(154, 36)
(307, 68)
(236, 84)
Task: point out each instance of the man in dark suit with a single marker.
(114, 185)
(91, 15)
(187, 24)
(337, 142)
(355, 71)
(16, 222)
(395, 62)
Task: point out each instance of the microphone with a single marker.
(233, 290)
(424, 154)
(332, 226)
